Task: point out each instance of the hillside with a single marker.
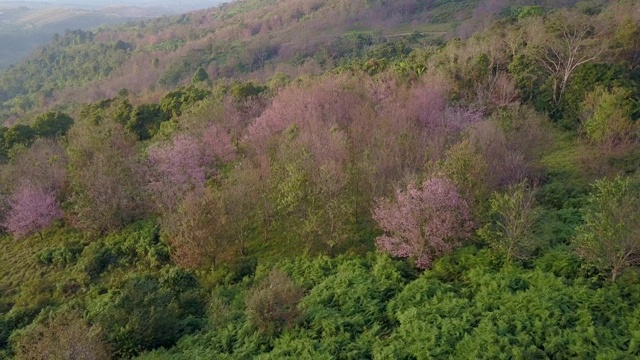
(327, 179)
(224, 41)
(246, 39)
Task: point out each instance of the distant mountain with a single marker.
(25, 26)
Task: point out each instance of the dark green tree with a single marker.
(19, 134)
(145, 120)
(175, 102)
(52, 124)
(200, 76)
(245, 90)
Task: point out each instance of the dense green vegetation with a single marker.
(386, 193)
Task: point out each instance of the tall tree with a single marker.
(106, 175)
(177, 168)
(565, 41)
(183, 164)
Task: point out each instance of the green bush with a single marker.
(96, 259)
(61, 256)
(141, 314)
(64, 335)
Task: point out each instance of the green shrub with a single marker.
(63, 336)
(96, 259)
(61, 256)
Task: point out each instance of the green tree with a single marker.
(607, 116)
(200, 76)
(3, 144)
(145, 121)
(610, 235)
(144, 313)
(627, 41)
(590, 77)
(52, 124)
(245, 90)
(514, 215)
(19, 134)
(529, 11)
(468, 170)
(121, 109)
(175, 102)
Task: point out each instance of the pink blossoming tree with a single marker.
(424, 222)
(31, 209)
(184, 164)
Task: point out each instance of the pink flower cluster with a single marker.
(424, 222)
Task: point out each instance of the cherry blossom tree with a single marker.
(178, 168)
(216, 145)
(424, 222)
(31, 209)
(327, 102)
(184, 164)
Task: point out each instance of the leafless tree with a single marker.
(565, 41)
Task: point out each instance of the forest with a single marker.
(327, 179)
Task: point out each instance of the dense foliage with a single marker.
(401, 197)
